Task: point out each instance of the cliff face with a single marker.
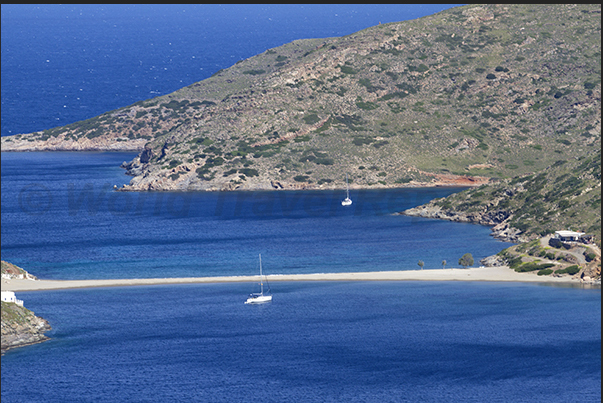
(21, 327)
(472, 93)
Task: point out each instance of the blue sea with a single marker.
(317, 341)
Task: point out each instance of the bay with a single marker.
(62, 219)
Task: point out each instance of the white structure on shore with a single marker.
(9, 296)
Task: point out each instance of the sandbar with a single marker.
(500, 273)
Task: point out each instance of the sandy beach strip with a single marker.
(502, 273)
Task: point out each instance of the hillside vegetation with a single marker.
(471, 95)
(566, 195)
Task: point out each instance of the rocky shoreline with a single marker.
(24, 143)
(21, 327)
(498, 220)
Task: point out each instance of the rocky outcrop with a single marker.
(10, 271)
(21, 327)
(498, 220)
(61, 143)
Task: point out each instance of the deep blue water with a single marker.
(65, 63)
(61, 219)
(317, 342)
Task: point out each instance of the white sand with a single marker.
(502, 273)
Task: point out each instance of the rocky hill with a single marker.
(470, 95)
(9, 271)
(20, 326)
(565, 195)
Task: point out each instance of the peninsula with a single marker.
(467, 96)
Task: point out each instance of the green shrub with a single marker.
(422, 68)
(301, 178)
(545, 272)
(324, 161)
(347, 70)
(514, 262)
(571, 270)
(533, 266)
(589, 85)
(311, 119)
(249, 172)
(301, 139)
(254, 72)
(358, 141)
(367, 106)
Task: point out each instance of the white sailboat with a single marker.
(347, 201)
(260, 298)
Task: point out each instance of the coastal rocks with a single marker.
(146, 155)
(493, 261)
(133, 168)
(27, 143)
(505, 232)
(20, 327)
(498, 220)
(10, 271)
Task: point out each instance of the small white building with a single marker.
(569, 236)
(9, 296)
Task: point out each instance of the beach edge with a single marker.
(498, 273)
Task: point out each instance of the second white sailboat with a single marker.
(260, 298)
(347, 201)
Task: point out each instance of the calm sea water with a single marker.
(65, 63)
(318, 341)
(61, 219)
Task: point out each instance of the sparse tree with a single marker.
(421, 264)
(466, 260)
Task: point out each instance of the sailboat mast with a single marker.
(261, 281)
(347, 187)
